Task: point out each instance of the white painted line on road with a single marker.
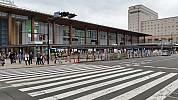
(143, 88)
(136, 65)
(163, 93)
(50, 75)
(8, 78)
(70, 93)
(149, 66)
(60, 78)
(78, 83)
(116, 88)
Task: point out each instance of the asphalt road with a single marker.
(151, 78)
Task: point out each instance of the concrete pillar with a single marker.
(70, 34)
(116, 38)
(54, 32)
(138, 39)
(41, 49)
(125, 39)
(86, 31)
(9, 29)
(133, 53)
(141, 52)
(131, 39)
(108, 37)
(32, 28)
(98, 37)
(144, 39)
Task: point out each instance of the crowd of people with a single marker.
(26, 57)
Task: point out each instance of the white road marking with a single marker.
(118, 87)
(70, 93)
(67, 81)
(78, 83)
(141, 89)
(163, 93)
(54, 75)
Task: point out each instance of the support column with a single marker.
(126, 53)
(141, 52)
(131, 39)
(54, 32)
(86, 31)
(70, 40)
(9, 28)
(32, 28)
(41, 50)
(108, 37)
(144, 39)
(98, 37)
(117, 38)
(70, 34)
(124, 39)
(133, 53)
(138, 39)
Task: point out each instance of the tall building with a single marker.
(143, 19)
(137, 14)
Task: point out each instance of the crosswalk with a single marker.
(91, 82)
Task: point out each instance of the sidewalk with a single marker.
(8, 65)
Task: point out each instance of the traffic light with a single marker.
(40, 37)
(44, 37)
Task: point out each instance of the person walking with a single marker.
(3, 58)
(31, 58)
(41, 60)
(11, 56)
(38, 58)
(27, 59)
(20, 57)
(60, 56)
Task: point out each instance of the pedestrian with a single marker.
(27, 58)
(31, 58)
(60, 56)
(3, 58)
(55, 58)
(15, 57)
(41, 60)
(20, 58)
(11, 56)
(38, 58)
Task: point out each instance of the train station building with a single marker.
(23, 30)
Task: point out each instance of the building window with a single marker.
(149, 40)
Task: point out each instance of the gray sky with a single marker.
(113, 13)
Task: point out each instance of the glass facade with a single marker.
(78, 37)
(21, 33)
(112, 38)
(103, 38)
(3, 31)
(65, 34)
(92, 37)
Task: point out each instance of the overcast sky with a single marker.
(113, 13)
